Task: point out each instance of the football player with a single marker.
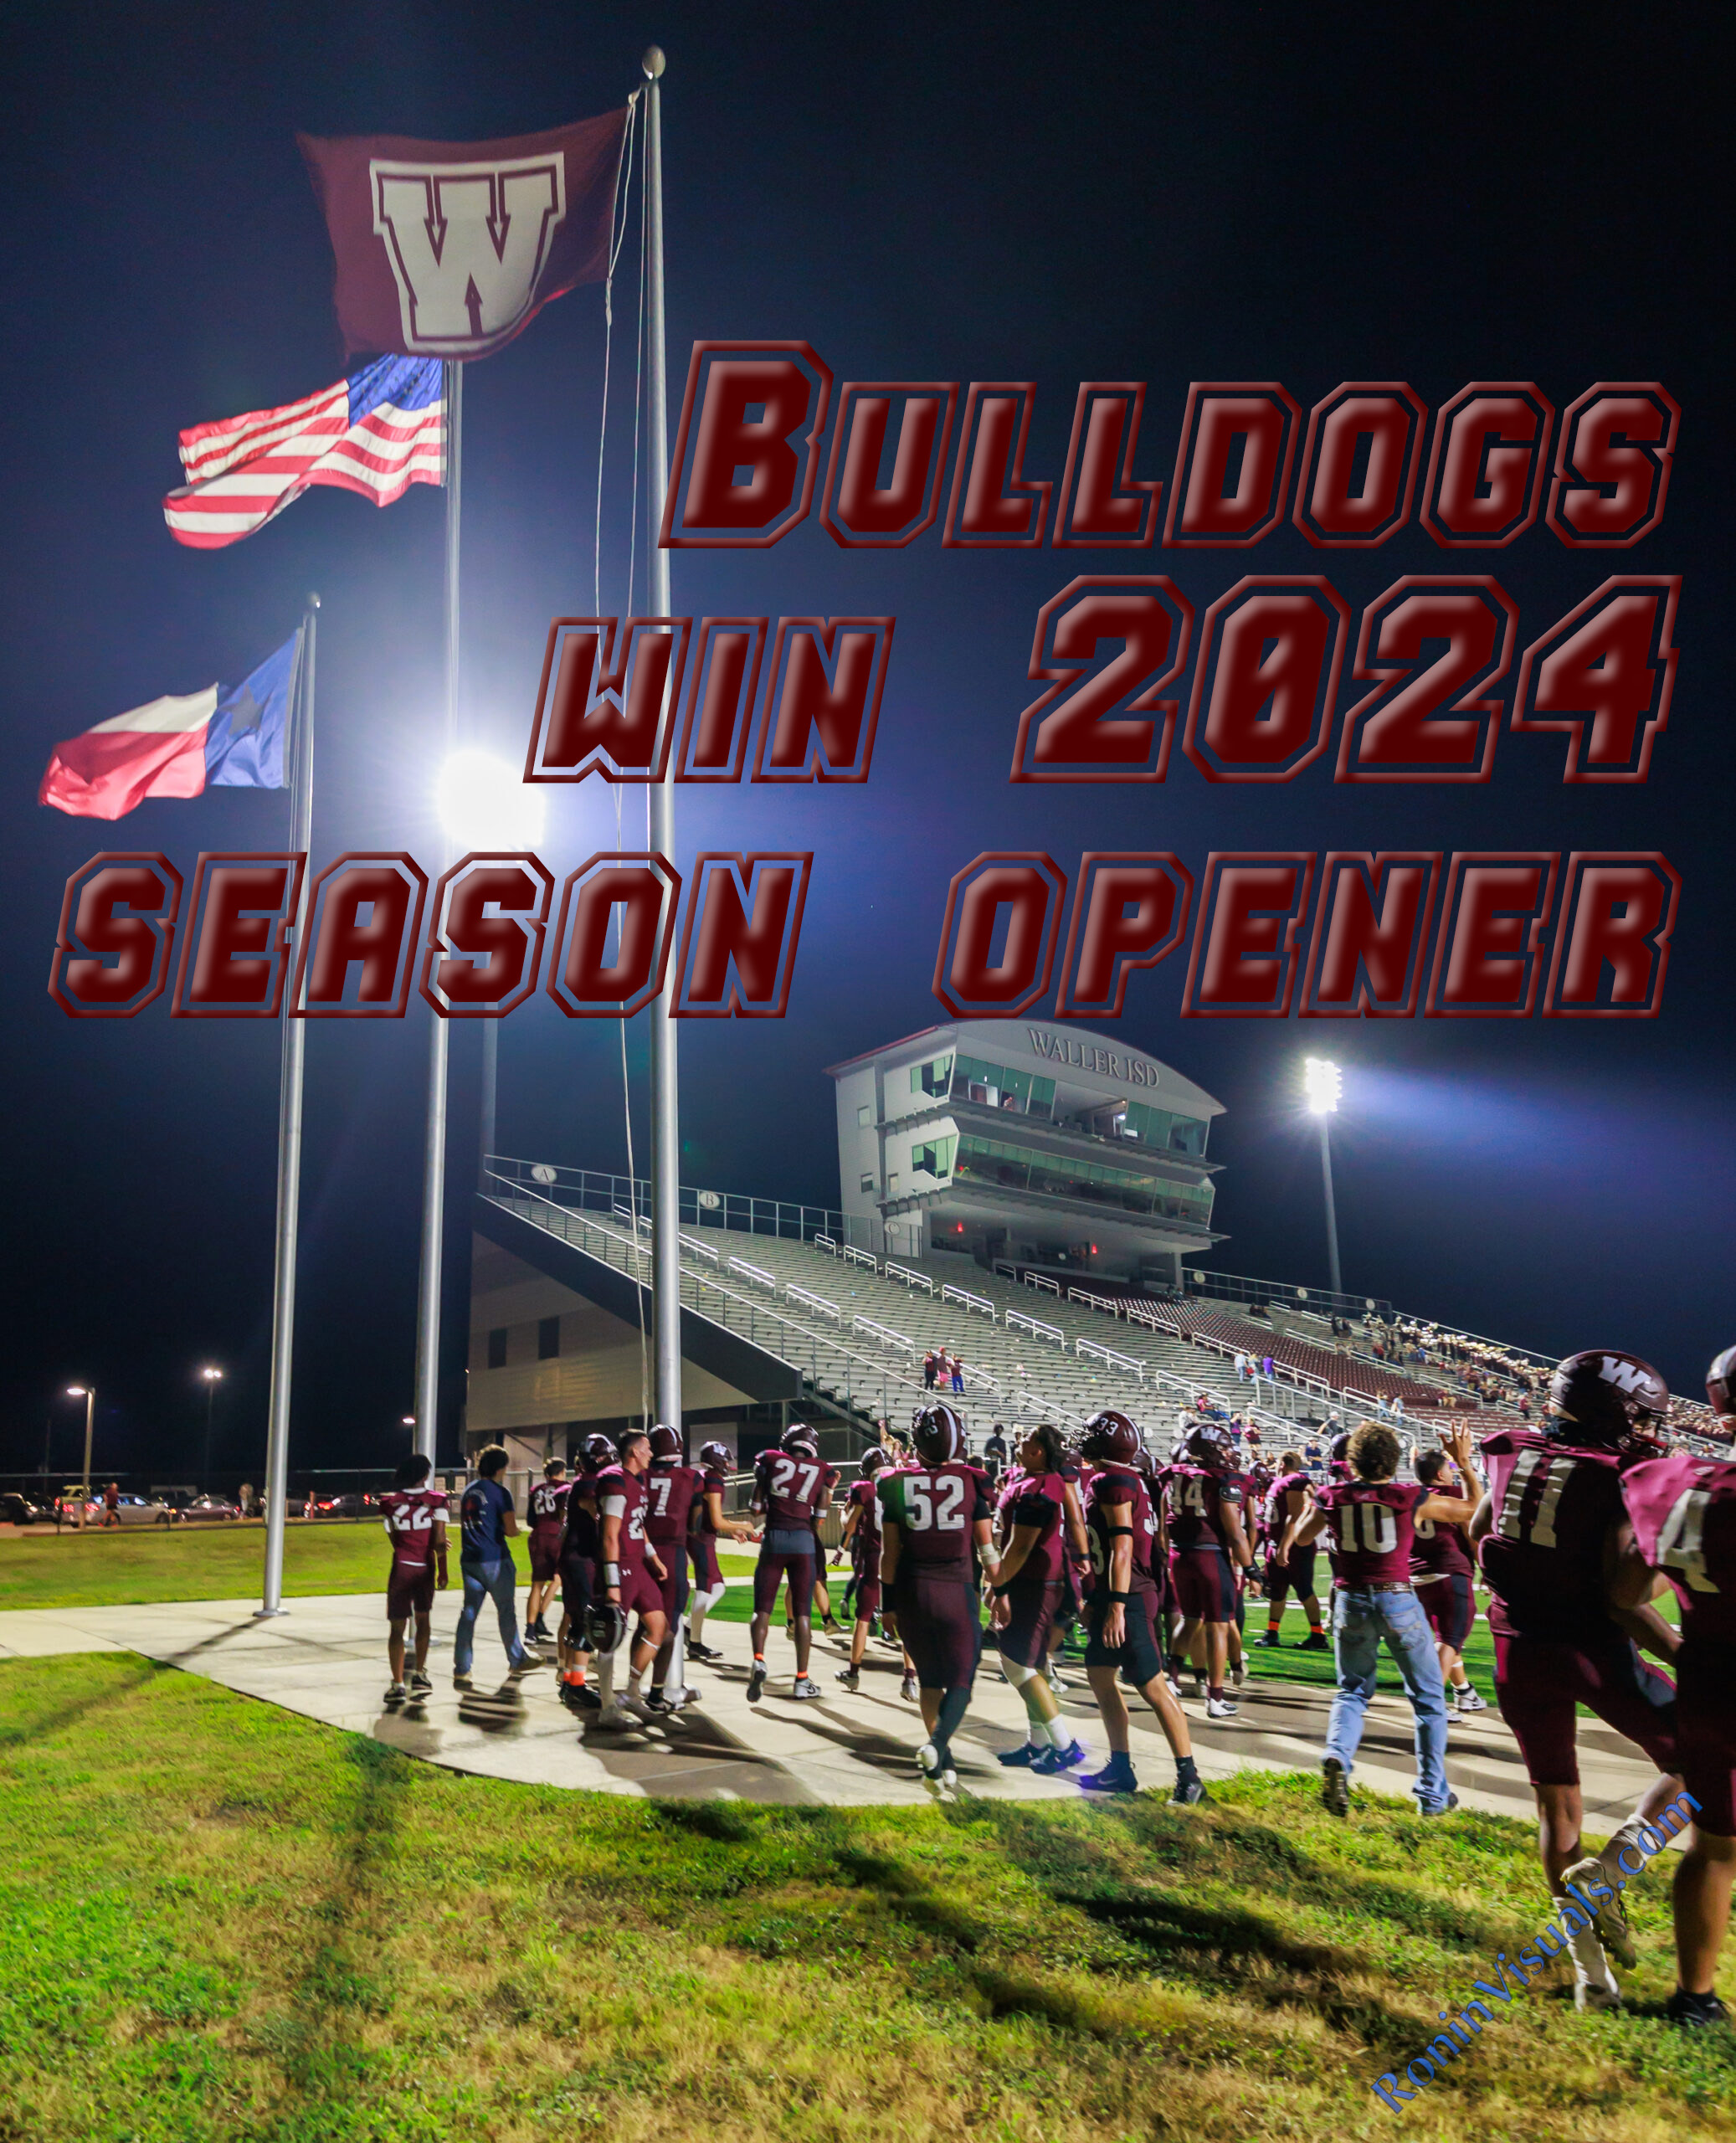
(633, 1575)
(672, 1490)
(1441, 1571)
(1034, 1526)
(790, 1487)
(862, 1541)
(415, 1517)
(1207, 1544)
(548, 1522)
(934, 1514)
(1547, 1534)
(1287, 1499)
(1682, 1511)
(710, 1526)
(1123, 1532)
(581, 1548)
(1368, 1521)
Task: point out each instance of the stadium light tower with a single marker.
(482, 804)
(87, 1392)
(1323, 1082)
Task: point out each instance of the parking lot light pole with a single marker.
(87, 1392)
(213, 1378)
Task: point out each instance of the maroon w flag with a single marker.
(448, 249)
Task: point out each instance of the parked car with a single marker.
(202, 1509)
(144, 1510)
(18, 1510)
(72, 1505)
(350, 1504)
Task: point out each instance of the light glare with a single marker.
(485, 803)
(1323, 1082)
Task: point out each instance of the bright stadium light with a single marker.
(1323, 1082)
(87, 1392)
(485, 803)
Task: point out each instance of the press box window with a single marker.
(865, 1115)
(497, 1348)
(867, 1182)
(548, 1338)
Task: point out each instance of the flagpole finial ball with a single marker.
(654, 63)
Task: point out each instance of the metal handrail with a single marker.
(792, 1293)
(1036, 1327)
(952, 1294)
(906, 1278)
(1108, 1354)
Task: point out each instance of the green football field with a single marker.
(222, 1923)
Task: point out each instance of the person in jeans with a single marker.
(487, 1566)
(1369, 1522)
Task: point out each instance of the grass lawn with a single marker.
(42, 1569)
(219, 1921)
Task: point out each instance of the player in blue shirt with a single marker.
(488, 1522)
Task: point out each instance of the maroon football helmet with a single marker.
(718, 1455)
(873, 1460)
(1606, 1396)
(800, 1436)
(597, 1452)
(1111, 1439)
(939, 1436)
(665, 1443)
(1721, 1387)
(1211, 1445)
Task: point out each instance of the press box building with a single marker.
(1029, 1143)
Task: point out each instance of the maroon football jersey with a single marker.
(1684, 1514)
(670, 1491)
(864, 1541)
(792, 1489)
(1106, 1489)
(713, 1484)
(1368, 1530)
(621, 1494)
(1196, 1497)
(1276, 1505)
(548, 1509)
(1039, 1499)
(934, 1508)
(1543, 1554)
(582, 1538)
(411, 1515)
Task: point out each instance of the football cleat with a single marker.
(580, 1696)
(1021, 1759)
(757, 1681)
(1052, 1762)
(1696, 2012)
(1470, 1701)
(1314, 1642)
(1117, 1775)
(396, 1694)
(851, 1679)
(807, 1690)
(1613, 1931)
(1190, 1791)
(1053, 1674)
(421, 1683)
(1220, 1708)
(696, 1650)
(1598, 1997)
(908, 1688)
(1335, 1787)
(935, 1766)
(1239, 1672)
(638, 1706)
(1270, 1638)
(658, 1703)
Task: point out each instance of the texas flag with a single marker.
(226, 736)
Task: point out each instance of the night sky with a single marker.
(1429, 194)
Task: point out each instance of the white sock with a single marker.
(676, 1684)
(635, 1677)
(1060, 1734)
(1591, 1967)
(606, 1680)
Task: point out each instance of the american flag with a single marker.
(377, 433)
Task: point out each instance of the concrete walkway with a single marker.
(324, 1659)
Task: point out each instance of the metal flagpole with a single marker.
(289, 1142)
(666, 1103)
(434, 1151)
